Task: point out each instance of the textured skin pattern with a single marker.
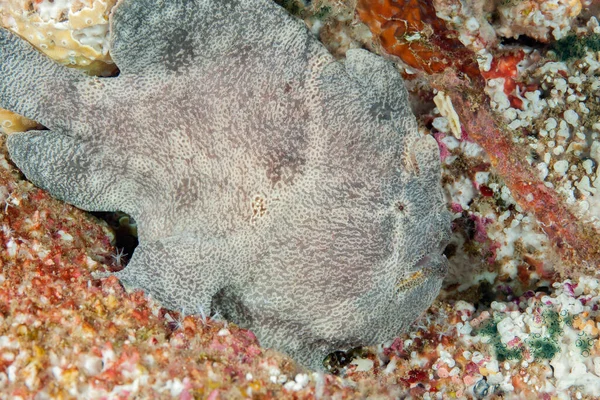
(286, 190)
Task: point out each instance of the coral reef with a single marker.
(538, 19)
(411, 30)
(516, 318)
(536, 345)
(574, 240)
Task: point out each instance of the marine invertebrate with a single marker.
(285, 190)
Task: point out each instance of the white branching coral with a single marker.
(542, 20)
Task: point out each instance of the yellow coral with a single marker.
(574, 8)
(11, 122)
(72, 35)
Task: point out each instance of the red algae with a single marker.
(574, 241)
(505, 66)
(410, 30)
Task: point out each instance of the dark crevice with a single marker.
(523, 41)
(125, 230)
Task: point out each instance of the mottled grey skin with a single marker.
(286, 190)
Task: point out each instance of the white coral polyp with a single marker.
(543, 20)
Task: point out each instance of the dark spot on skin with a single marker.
(179, 51)
(284, 167)
(381, 111)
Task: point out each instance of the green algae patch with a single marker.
(545, 348)
(573, 46)
(542, 346)
(503, 352)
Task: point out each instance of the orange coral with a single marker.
(410, 29)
